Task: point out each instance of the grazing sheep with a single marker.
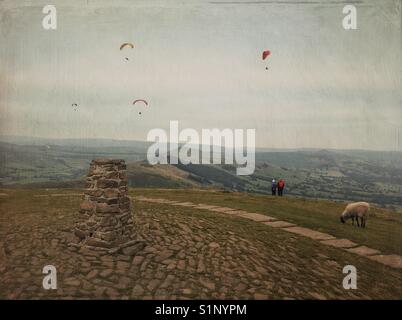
(354, 211)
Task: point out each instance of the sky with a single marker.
(199, 62)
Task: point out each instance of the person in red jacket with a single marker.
(281, 186)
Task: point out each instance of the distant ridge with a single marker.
(105, 142)
(330, 174)
(96, 142)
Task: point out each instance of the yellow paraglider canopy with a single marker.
(126, 44)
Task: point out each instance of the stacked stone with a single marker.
(105, 216)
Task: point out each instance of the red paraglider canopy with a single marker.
(265, 54)
(140, 100)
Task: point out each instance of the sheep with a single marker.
(356, 210)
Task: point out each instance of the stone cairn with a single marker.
(105, 222)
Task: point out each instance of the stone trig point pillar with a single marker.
(105, 221)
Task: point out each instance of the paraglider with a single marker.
(74, 105)
(126, 45)
(140, 100)
(265, 54)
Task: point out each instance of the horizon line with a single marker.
(257, 148)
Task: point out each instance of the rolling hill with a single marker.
(330, 174)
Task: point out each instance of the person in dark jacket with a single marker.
(281, 186)
(274, 187)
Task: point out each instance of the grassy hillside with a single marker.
(339, 175)
(49, 165)
(141, 174)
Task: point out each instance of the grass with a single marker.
(383, 231)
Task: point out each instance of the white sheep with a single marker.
(354, 211)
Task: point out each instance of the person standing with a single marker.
(281, 186)
(273, 187)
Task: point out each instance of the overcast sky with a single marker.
(200, 63)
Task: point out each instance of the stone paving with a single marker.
(394, 261)
(364, 251)
(312, 234)
(223, 210)
(279, 224)
(253, 216)
(184, 204)
(189, 254)
(205, 206)
(340, 243)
